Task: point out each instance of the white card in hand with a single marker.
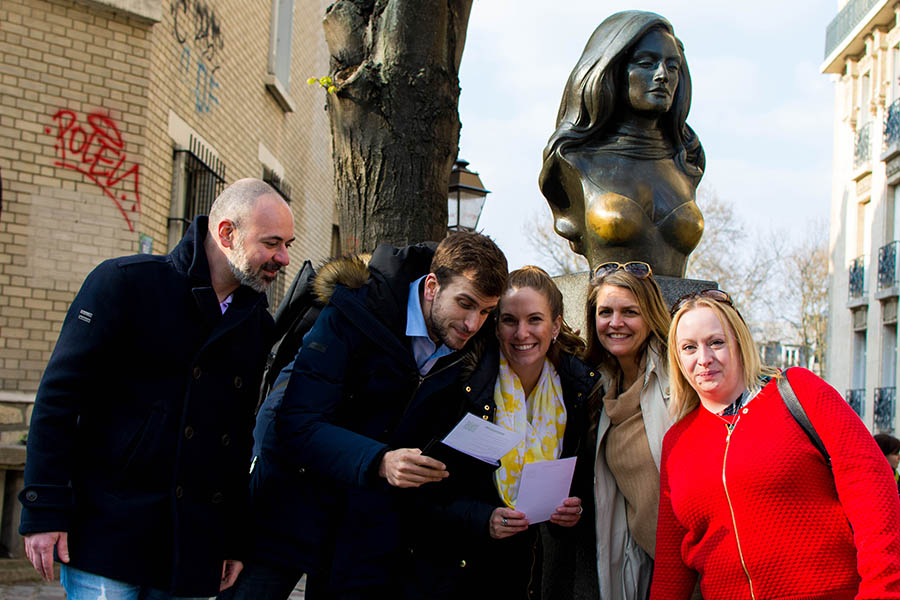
(543, 487)
(481, 439)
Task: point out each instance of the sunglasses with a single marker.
(717, 295)
(638, 268)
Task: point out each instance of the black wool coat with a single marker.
(451, 553)
(140, 440)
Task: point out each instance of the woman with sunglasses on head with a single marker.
(627, 323)
(467, 539)
(749, 504)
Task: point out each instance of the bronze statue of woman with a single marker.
(621, 170)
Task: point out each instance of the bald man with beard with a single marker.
(136, 477)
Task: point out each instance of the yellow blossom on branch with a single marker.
(326, 82)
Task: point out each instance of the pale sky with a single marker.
(761, 108)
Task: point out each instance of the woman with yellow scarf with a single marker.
(529, 381)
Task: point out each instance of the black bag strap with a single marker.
(796, 410)
(295, 316)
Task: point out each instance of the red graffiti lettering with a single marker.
(97, 151)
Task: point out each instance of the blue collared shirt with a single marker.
(424, 350)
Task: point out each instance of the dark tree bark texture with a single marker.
(394, 116)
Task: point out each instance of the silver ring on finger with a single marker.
(580, 510)
(504, 522)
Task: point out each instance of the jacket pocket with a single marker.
(138, 449)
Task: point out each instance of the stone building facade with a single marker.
(121, 119)
(863, 55)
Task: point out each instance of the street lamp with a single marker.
(466, 198)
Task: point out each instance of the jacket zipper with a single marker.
(530, 591)
(419, 380)
(730, 428)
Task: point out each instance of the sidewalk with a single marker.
(22, 585)
(53, 591)
(31, 591)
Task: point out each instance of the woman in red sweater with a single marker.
(748, 504)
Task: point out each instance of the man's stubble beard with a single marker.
(241, 268)
(441, 328)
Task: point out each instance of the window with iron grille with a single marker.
(200, 178)
(279, 183)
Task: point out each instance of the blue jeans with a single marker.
(81, 585)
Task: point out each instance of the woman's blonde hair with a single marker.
(653, 311)
(539, 280)
(684, 397)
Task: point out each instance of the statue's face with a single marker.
(652, 72)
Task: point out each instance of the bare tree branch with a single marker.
(741, 262)
(779, 285)
(560, 259)
(806, 284)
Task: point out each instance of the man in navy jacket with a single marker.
(139, 444)
(342, 431)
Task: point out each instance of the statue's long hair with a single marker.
(596, 86)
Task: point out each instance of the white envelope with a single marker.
(543, 487)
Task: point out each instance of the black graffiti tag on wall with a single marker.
(197, 29)
(196, 24)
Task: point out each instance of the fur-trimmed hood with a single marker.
(379, 281)
(349, 271)
(478, 349)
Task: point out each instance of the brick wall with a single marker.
(86, 142)
(71, 123)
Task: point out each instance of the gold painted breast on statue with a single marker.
(683, 227)
(616, 218)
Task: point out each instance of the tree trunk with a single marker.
(394, 116)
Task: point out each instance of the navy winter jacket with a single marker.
(141, 434)
(352, 393)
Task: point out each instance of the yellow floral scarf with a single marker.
(541, 431)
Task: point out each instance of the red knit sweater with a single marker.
(803, 533)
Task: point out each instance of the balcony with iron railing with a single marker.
(857, 280)
(887, 270)
(856, 399)
(883, 410)
(891, 141)
(862, 150)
